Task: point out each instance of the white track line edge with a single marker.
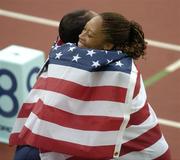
(54, 23)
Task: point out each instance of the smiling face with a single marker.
(92, 35)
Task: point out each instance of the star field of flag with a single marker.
(90, 59)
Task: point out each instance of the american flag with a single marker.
(90, 104)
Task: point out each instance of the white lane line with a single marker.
(161, 74)
(163, 45)
(54, 23)
(169, 69)
(169, 123)
(29, 18)
(173, 67)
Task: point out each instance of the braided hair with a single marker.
(125, 35)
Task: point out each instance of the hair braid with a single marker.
(126, 36)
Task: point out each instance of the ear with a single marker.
(108, 46)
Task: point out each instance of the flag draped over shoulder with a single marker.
(91, 104)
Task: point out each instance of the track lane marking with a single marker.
(29, 18)
(173, 47)
(169, 123)
(53, 23)
(158, 76)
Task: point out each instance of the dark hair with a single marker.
(72, 24)
(126, 36)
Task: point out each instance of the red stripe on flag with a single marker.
(143, 141)
(137, 86)
(25, 110)
(39, 83)
(45, 143)
(77, 91)
(79, 158)
(140, 116)
(69, 120)
(14, 139)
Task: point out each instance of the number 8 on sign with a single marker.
(10, 93)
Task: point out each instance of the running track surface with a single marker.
(160, 21)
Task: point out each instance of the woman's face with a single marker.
(92, 36)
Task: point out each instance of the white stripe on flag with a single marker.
(152, 152)
(140, 99)
(18, 125)
(44, 75)
(87, 138)
(134, 131)
(85, 78)
(75, 106)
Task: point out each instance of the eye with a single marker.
(90, 35)
(83, 31)
(85, 28)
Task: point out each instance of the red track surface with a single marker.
(160, 21)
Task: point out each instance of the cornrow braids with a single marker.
(116, 27)
(125, 35)
(136, 45)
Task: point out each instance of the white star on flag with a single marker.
(119, 52)
(75, 58)
(118, 63)
(109, 61)
(69, 43)
(56, 47)
(106, 52)
(58, 55)
(71, 49)
(95, 64)
(90, 52)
